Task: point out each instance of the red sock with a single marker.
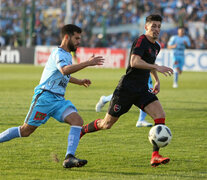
(159, 121)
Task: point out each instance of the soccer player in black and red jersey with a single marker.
(133, 86)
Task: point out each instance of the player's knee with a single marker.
(25, 133)
(25, 130)
(77, 122)
(74, 119)
(80, 123)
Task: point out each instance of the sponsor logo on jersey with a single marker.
(63, 83)
(39, 116)
(117, 108)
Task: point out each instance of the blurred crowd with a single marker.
(105, 23)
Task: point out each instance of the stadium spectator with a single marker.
(196, 25)
(90, 14)
(163, 40)
(2, 39)
(40, 32)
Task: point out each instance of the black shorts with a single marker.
(122, 101)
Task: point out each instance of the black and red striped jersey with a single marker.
(135, 78)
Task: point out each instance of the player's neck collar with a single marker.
(63, 49)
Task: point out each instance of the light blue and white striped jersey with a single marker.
(179, 50)
(52, 79)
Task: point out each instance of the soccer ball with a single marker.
(160, 135)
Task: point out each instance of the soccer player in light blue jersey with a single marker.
(48, 100)
(178, 43)
(141, 122)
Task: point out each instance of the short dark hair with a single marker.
(181, 27)
(70, 29)
(153, 17)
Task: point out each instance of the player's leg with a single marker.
(76, 122)
(181, 64)
(141, 122)
(15, 132)
(99, 124)
(102, 101)
(107, 122)
(175, 79)
(176, 71)
(156, 111)
(26, 130)
(67, 113)
(117, 107)
(9, 134)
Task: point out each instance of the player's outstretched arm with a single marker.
(84, 82)
(93, 61)
(137, 62)
(164, 70)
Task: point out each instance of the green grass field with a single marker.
(122, 152)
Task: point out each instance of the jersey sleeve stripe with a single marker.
(139, 41)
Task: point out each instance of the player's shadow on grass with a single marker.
(107, 172)
(146, 174)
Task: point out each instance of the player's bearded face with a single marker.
(74, 42)
(71, 45)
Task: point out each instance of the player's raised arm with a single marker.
(137, 62)
(164, 70)
(93, 61)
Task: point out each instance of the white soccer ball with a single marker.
(160, 135)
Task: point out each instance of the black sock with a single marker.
(155, 148)
(91, 127)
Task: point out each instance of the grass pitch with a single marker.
(122, 152)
